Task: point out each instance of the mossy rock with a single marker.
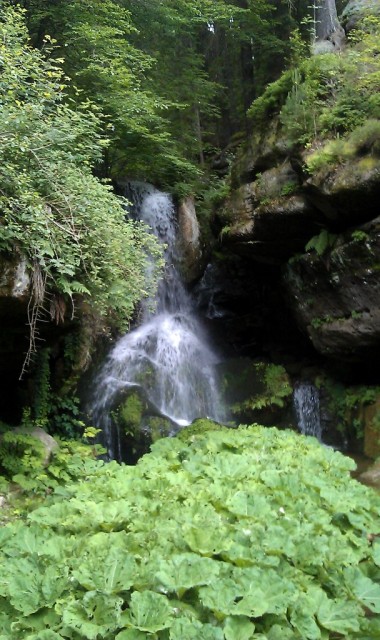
(198, 427)
(129, 413)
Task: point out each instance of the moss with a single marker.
(129, 414)
(198, 427)
(347, 406)
(272, 99)
(363, 139)
(158, 427)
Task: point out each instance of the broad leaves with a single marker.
(172, 549)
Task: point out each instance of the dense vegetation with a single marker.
(224, 535)
(67, 224)
(329, 104)
(253, 533)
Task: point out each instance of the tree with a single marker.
(67, 224)
(327, 25)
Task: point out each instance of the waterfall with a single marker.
(167, 356)
(307, 409)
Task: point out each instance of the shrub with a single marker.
(252, 533)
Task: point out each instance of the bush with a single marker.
(68, 225)
(248, 533)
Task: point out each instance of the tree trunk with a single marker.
(327, 25)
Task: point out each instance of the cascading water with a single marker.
(167, 356)
(307, 409)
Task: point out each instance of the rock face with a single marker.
(325, 225)
(336, 296)
(14, 284)
(356, 10)
(191, 263)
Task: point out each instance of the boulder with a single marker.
(191, 263)
(48, 442)
(371, 476)
(269, 220)
(356, 10)
(335, 295)
(15, 284)
(346, 194)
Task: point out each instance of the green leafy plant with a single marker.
(322, 242)
(257, 534)
(19, 453)
(346, 404)
(67, 224)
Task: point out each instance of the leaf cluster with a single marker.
(234, 534)
(63, 219)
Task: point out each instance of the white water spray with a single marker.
(167, 356)
(307, 408)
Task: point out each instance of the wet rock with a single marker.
(268, 220)
(265, 149)
(371, 476)
(335, 296)
(14, 285)
(191, 263)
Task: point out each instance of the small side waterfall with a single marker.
(167, 356)
(307, 409)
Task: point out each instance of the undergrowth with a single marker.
(233, 534)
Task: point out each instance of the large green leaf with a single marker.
(187, 570)
(339, 616)
(131, 634)
(238, 628)
(113, 573)
(93, 616)
(206, 539)
(184, 629)
(149, 611)
(366, 591)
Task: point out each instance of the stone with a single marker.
(336, 296)
(191, 263)
(15, 282)
(371, 476)
(272, 230)
(50, 445)
(347, 194)
(356, 10)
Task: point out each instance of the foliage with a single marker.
(71, 461)
(257, 534)
(363, 140)
(63, 418)
(198, 427)
(67, 223)
(273, 389)
(20, 453)
(272, 99)
(328, 96)
(346, 404)
(323, 241)
(129, 414)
